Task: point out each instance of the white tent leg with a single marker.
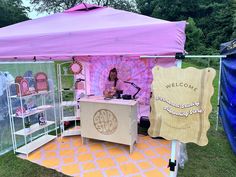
(218, 96)
(173, 158)
(179, 63)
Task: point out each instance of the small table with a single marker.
(112, 120)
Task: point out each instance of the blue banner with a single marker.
(227, 110)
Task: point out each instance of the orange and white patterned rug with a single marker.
(99, 158)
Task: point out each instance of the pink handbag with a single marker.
(41, 82)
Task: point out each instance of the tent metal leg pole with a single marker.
(173, 158)
(218, 96)
(179, 63)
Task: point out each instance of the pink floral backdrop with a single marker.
(132, 69)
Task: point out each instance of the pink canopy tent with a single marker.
(104, 36)
(91, 30)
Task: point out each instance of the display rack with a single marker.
(73, 103)
(36, 135)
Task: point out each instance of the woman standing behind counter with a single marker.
(112, 85)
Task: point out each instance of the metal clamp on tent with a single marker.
(179, 56)
(172, 165)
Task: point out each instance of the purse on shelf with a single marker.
(17, 81)
(22, 86)
(20, 111)
(41, 82)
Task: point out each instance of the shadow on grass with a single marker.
(12, 166)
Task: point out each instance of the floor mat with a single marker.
(99, 158)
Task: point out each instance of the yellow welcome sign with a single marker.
(181, 104)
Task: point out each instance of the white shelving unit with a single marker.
(33, 145)
(63, 73)
(37, 135)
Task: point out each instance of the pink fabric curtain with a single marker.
(132, 69)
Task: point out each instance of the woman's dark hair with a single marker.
(114, 70)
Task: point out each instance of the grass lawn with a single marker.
(214, 160)
(12, 166)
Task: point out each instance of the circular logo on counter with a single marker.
(105, 121)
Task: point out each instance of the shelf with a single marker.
(71, 74)
(72, 131)
(37, 135)
(66, 74)
(70, 118)
(66, 106)
(69, 103)
(67, 90)
(30, 147)
(34, 94)
(34, 111)
(33, 128)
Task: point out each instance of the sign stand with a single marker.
(172, 161)
(181, 56)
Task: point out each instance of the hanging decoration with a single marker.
(76, 67)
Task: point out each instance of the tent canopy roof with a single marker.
(91, 30)
(83, 6)
(228, 48)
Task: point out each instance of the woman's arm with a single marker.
(110, 92)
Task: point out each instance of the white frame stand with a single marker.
(34, 142)
(174, 159)
(73, 103)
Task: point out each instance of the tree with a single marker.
(53, 5)
(146, 7)
(12, 12)
(176, 10)
(127, 5)
(169, 10)
(217, 24)
(60, 5)
(234, 28)
(194, 40)
(216, 19)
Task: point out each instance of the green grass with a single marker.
(67, 81)
(12, 166)
(214, 160)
